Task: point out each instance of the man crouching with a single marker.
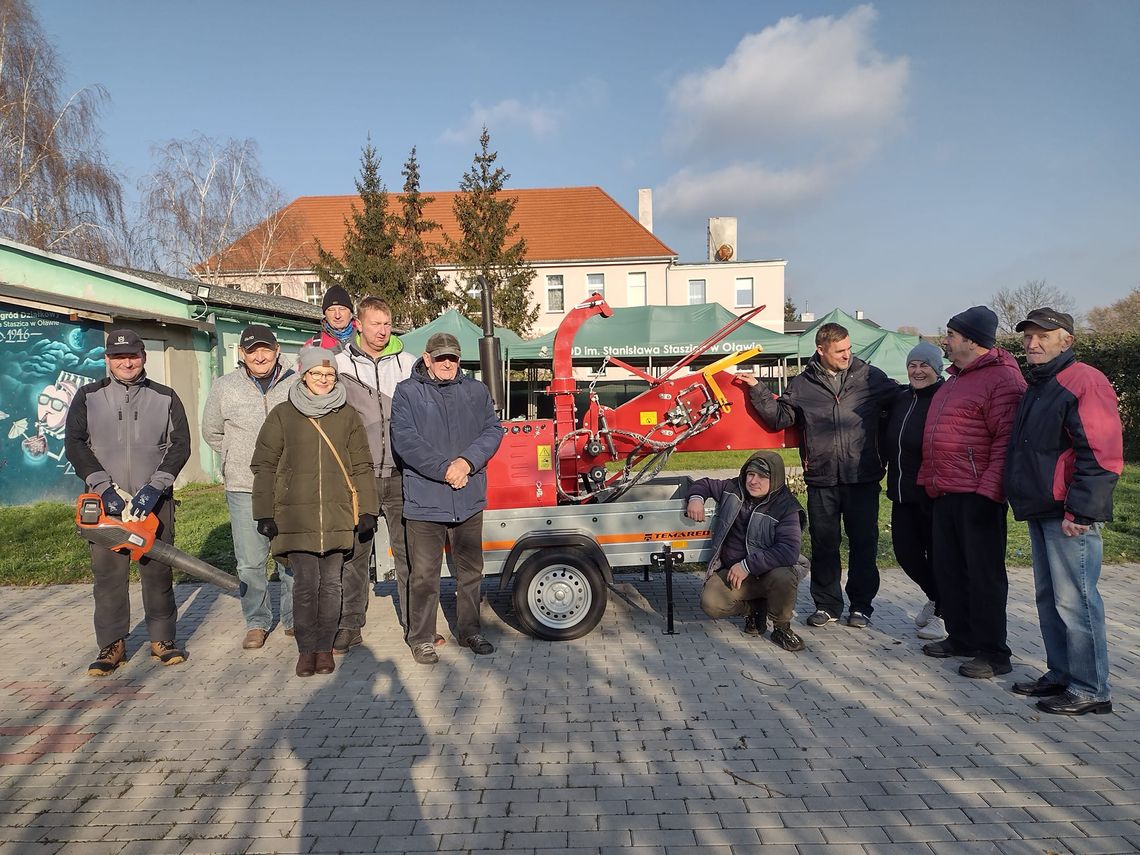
(756, 544)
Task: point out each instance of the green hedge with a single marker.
(1115, 355)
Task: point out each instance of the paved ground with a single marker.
(628, 740)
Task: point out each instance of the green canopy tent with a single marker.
(454, 322)
(655, 335)
(863, 334)
(889, 353)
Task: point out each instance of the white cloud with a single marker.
(814, 97)
(739, 186)
(536, 120)
(796, 77)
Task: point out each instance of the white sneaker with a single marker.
(935, 630)
(924, 616)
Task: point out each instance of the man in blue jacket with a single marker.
(444, 430)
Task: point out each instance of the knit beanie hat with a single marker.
(926, 352)
(978, 324)
(336, 296)
(312, 357)
(759, 465)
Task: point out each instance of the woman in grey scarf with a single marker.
(312, 489)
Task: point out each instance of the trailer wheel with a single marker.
(559, 594)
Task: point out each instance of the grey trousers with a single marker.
(425, 551)
(776, 587)
(316, 599)
(112, 598)
(356, 593)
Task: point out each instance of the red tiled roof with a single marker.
(559, 224)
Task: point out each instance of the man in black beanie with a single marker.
(964, 447)
(340, 328)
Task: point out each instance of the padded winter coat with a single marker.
(1067, 447)
(839, 434)
(968, 427)
(297, 482)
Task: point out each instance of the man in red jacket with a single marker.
(963, 457)
(1066, 455)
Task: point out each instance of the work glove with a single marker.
(267, 528)
(144, 501)
(366, 526)
(113, 504)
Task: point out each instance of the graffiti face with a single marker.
(51, 410)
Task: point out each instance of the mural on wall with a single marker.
(44, 360)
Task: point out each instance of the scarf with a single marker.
(315, 406)
(343, 335)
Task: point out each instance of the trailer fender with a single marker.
(553, 539)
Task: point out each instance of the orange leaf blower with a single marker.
(137, 538)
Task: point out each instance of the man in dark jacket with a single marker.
(963, 456)
(1064, 459)
(128, 438)
(756, 544)
(444, 432)
(836, 402)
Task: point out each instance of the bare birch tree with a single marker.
(57, 191)
(201, 197)
(1012, 304)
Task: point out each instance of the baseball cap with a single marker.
(443, 344)
(256, 334)
(122, 342)
(1048, 319)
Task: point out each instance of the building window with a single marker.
(555, 295)
(273, 289)
(635, 285)
(696, 292)
(313, 293)
(596, 284)
(744, 292)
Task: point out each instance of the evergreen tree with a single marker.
(366, 265)
(426, 294)
(791, 313)
(484, 214)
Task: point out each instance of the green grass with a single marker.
(42, 548)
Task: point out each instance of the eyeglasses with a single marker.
(446, 357)
(322, 375)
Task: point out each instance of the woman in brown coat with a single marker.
(309, 502)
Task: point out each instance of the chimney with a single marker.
(859, 315)
(722, 238)
(645, 208)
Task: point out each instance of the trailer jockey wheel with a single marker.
(559, 594)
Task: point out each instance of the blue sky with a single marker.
(905, 158)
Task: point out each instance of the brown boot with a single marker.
(306, 664)
(110, 658)
(324, 662)
(254, 639)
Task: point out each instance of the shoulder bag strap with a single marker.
(343, 471)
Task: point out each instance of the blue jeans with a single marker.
(1066, 571)
(251, 551)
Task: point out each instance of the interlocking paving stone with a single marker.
(627, 740)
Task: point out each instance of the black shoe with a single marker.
(787, 639)
(821, 618)
(944, 649)
(346, 638)
(477, 644)
(1039, 688)
(1067, 704)
(983, 669)
(755, 624)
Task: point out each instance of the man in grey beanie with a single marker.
(963, 458)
